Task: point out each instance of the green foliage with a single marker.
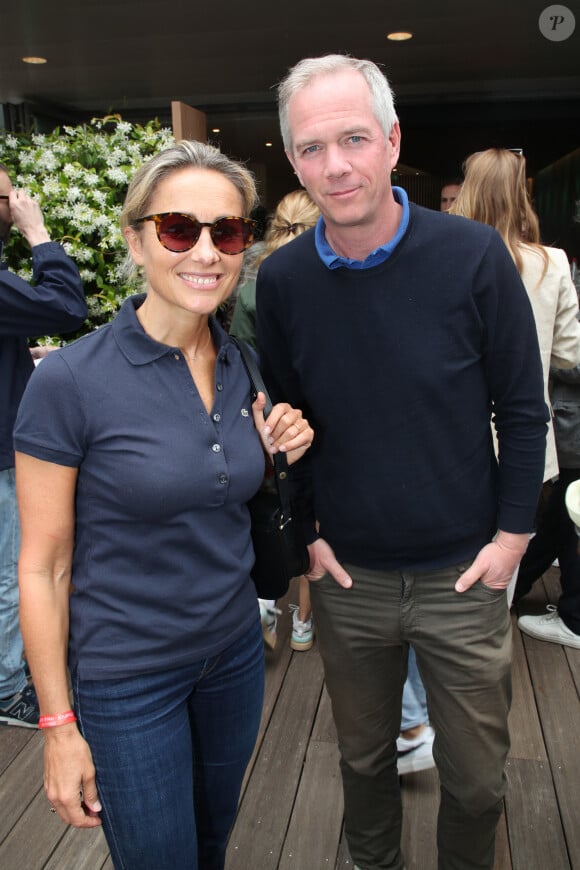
(79, 177)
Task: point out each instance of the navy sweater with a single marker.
(399, 368)
(55, 304)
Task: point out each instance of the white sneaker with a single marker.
(302, 636)
(416, 754)
(269, 616)
(549, 627)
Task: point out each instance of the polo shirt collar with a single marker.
(140, 349)
(333, 261)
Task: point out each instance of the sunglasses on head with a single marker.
(180, 232)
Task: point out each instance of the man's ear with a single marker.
(293, 164)
(395, 143)
(135, 244)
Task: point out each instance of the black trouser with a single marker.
(555, 538)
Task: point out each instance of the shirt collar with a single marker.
(333, 261)
(140, 349)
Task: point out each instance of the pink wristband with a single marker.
(57, 719)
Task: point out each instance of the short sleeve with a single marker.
(50, 424)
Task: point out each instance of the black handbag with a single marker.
(279, 545)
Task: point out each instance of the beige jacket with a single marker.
(555, 306)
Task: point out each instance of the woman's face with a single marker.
(197, 280)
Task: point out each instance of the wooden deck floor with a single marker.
(291, 809)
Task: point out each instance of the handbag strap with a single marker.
(280, 459)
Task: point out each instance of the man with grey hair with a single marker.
(54, 304)
(400, 330)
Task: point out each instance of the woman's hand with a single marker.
(69, 777)
(285, 430)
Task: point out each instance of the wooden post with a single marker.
(187, 122)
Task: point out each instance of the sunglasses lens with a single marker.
(178, 232)
(232, 235)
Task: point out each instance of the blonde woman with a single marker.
(494, 192)
(294, 214)
(138, 447)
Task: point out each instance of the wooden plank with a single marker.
(559, 709)
(314, 833)
(79, 849)
(535, 832)
(527, 740)
(324, 728)
(19, 784)
(316, 823)
(34, 837)
(344, 861)
(573, 658)
(420, 798)
(277, 662)
(502, 859)
(12, 740)
(264, 815)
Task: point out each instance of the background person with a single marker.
(137, 452)
(495, 193)
(555, 536)
(53, 303)
(294, 214)
(449, 193)
(404, 325)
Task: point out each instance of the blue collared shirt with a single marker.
(376, 257)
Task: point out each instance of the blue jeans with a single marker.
(170, 750)
(414, 697)
(12, 676)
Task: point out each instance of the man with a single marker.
(449, 193)
(54, 304)
(399, 329)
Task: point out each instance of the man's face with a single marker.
(339, 150)
(5, 219)
(449, 193)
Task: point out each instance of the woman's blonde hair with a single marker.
(494, 192)
(294, 214)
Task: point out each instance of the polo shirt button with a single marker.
(223, 478)
(219, 387)
(217, 418)
(216, 448)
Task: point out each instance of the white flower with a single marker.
(118, 175)
(47, 161)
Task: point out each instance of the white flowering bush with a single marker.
(79, 177)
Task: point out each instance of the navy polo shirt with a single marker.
(162, 553)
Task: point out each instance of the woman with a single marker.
(137, 452)
(494, 192)
(294, 214)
